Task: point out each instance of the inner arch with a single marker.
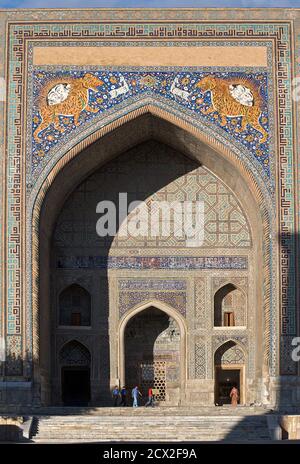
(149, 132)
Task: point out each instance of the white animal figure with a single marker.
(179, 92)
(241, 94)
(124, 88)
(58, 94)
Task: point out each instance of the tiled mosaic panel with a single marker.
(152, 284)
(240, 282)
(200, 302)
(288, 366)
(19, 34)
(107, 89)
(128, 300)
(133, 292)
(179, 180)
(74, 354)
(200, 360)
(229, 354)
(14, 359)
(152, 262)
(239, 337)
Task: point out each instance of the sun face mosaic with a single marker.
(236, 102)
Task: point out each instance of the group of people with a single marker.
(118, 394)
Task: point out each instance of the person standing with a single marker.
(123, 397)
(115, 395)
(234, 395)
(150, 401)
(135, 395)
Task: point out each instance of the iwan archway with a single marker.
(153, 351)
(162, 275)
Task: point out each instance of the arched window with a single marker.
(229, 307)
(75, 306)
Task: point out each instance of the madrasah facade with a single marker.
(161, 105)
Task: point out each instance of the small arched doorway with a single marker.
(75, 361)
(229, 361)
(152, 355)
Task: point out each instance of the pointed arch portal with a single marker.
(152, 351)
(183, 104)
(229, 363)
(75, 364)
(146, 126)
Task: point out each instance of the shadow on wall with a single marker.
(284, 418)
(280, 423)
(79, 257)
(63, 250)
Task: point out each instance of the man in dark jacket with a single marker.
(123, 397)
(115, 395)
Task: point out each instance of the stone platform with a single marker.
(159, 424)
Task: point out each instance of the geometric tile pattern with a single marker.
(128, 300)
(152, 262)
(239, 337)
(19, 36)
(286, 348)
(229, 353)
(200, 360)
(239, 282)
(200, 302)
(74, 354)
(180, 180)
(14, 360)
(152, 284)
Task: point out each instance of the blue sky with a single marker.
(147, 3)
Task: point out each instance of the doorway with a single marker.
(226, 379)
(152, 355)
(76, 389)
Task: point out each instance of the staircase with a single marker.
(158, 424)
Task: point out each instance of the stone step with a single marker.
(78, 428)
(157, 411)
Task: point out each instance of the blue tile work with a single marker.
(159, 284)
(136, 291)
(177, 87)
(199, 25)
(152, 262)
(128, 300)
